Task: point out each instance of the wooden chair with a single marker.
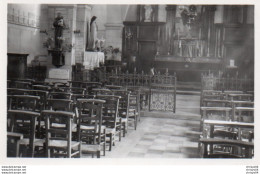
(220, 113)
(216, 103)
(91, 133)
(75, 90)
(110, 118)
(60, 95)
(101, 91)
(64, 105)
(24, 102)
(59, 138)
(241, 97)
(12, 142)
(22, 85)
(24, 122)
(60, 104)
(113, 87)
(134, 101)
(17, 91)
(227, 130)
(42, 87)
(44, 95)
(91, 85)
(242, 117)
(77, 84)
(128, 115)
(210, 95)
(235, 104)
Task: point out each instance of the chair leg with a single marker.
(135, 122)
(104, 149)
(120, 132)
(17, 150)
(124, 129)
(110, 142)
(98, 154)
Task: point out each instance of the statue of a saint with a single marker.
(93, 34)
(59, 25)
(148, 13)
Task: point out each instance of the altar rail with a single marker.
(158, 92)
(210, 82)
(138, 79)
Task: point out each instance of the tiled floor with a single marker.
(163, 135)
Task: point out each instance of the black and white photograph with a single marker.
(158, 81)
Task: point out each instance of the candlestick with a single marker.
(178, 33)
(208, 42)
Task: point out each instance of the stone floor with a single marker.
(163, 134)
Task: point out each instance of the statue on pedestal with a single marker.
(58, 58)
(59, 25)
(92, 39)
(148, 13)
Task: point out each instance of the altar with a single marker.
(93, 60)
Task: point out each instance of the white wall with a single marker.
(22, 38)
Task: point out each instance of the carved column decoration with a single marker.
(170, 28)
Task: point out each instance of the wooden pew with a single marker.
(249, 146)
(229, 124)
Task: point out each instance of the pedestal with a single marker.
(58, 58)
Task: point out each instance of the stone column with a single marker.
(114, 26)
(82, 21)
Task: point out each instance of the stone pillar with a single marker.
(114, 26)
(83, 19)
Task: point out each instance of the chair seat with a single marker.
(124, 120)
(132, 110)
(62, 143)
(131, 114)
(74, 127)
(110, 130)
(90, 147)
(37, 142)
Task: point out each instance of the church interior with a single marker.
(130, 81)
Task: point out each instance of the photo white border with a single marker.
(127, 161)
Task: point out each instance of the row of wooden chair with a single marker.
(53, 101)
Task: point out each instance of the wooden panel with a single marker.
(146, 53)
(234, 34)
(17, 65)
(148, 33)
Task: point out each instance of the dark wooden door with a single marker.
(17, 65)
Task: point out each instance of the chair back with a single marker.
(60, 95)
(110, 110)
(23, 84)
(77, 84)
(60, 104)
(23, 122)
(17, 91)
(24, 102)
(123, 108)
(58, 126)
(101, 91)
(42, 87)
(90, 120)
(44, 95)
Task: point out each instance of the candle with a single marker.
(200, 34)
